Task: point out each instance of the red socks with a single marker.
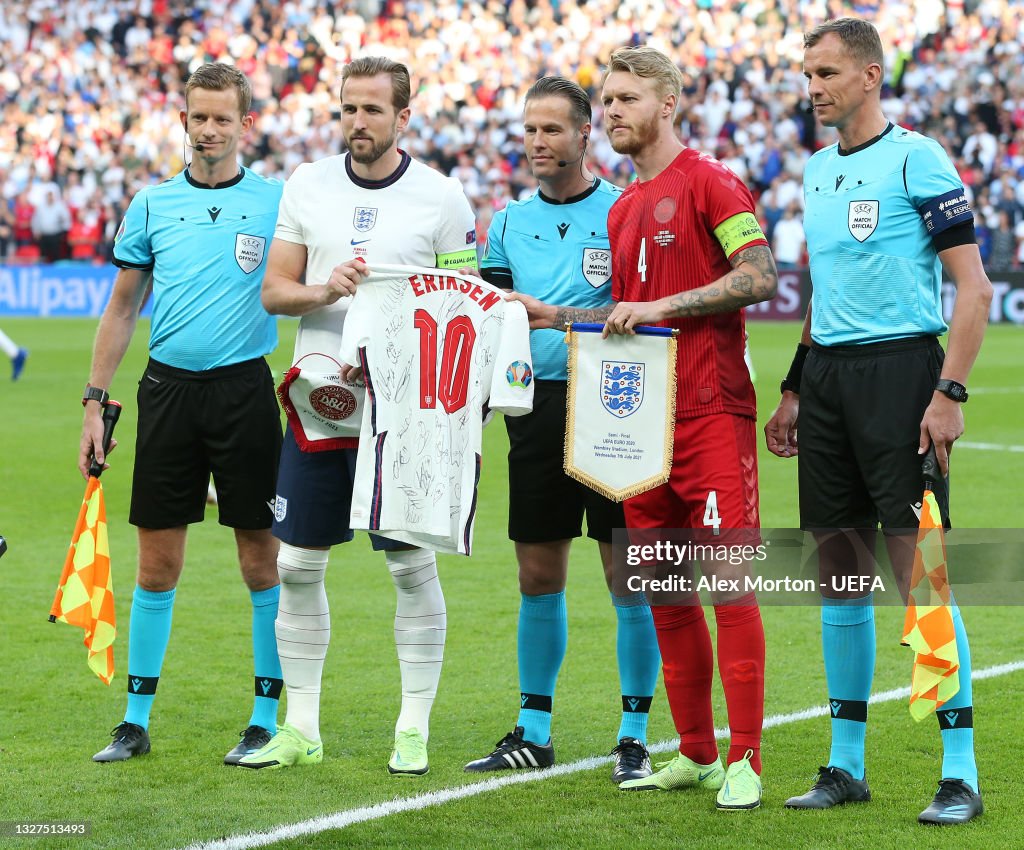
(688, 662)
(741, 665)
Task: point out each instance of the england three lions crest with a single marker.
(597, 266)
(622, 387)
(364, 218)
(863, 219)
(249, 251)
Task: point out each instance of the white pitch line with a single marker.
(997, 391)
(340, 820)
(988, 447)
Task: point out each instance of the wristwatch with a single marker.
(952, 389)
(94, 394)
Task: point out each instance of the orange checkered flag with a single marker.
(85, 593)
(928, 626)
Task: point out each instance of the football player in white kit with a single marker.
(376, 204)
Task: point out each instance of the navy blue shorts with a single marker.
(314, 498)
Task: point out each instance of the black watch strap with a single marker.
(952, 389)
(94, 394)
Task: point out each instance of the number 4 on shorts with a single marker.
(711, 517)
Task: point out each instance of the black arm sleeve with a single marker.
(501, 278)
(961, 234)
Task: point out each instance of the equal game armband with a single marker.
(465, 258)
(791, 383)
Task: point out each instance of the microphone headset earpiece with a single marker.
(562, 163)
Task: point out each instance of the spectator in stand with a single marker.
(97, 89)
(1004, 244)
(50, 224)
(788, 241)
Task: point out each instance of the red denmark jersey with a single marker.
(663, 242)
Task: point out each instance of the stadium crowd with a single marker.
(90, 93)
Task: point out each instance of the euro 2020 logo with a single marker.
(519, 374)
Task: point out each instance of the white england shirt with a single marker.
(434, 347)
(417, 217)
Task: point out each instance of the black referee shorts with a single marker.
(859, 429)
(223, 421)
(545, 504)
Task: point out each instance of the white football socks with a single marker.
(303, 630)
(421, 623)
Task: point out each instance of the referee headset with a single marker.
(562, 163)
(187, 143)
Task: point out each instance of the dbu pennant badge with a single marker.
(622, 387)
(364, 218)
(863, 219)
(597, 266)
(249, 251)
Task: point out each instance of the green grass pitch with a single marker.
(55, 714)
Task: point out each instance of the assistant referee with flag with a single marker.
(206, 399)
(885, 211)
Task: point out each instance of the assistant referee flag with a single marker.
(928, 626)
(85, 593)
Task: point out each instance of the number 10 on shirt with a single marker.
(451, 385)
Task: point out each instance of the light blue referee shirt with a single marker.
(557, 252)
(207, 248)
(870, 216)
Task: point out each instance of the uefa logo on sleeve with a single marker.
(519, 374)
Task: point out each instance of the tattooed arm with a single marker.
(753, 278)
(543, 315)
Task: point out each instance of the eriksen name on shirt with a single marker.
(426, 283)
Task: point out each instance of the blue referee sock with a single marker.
(639, 662)
(543, 635)
(848, 641)
(956, 717)
(266, 664)
(149, 630)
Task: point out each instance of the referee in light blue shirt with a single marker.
(206, 400)
(554, 246)
(885, 211)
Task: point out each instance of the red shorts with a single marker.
(713, 485)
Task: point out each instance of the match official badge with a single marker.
(622, 387)
(249, 251)
(364, 218)
(863, 219)
(597, 266)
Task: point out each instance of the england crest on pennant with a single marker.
(364, 218)
(622, 387)
(249, 251)
(863, 219)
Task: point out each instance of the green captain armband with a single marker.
(458, 259)
(738, 231)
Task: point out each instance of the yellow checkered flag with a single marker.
(928, 626)
(85, 593)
